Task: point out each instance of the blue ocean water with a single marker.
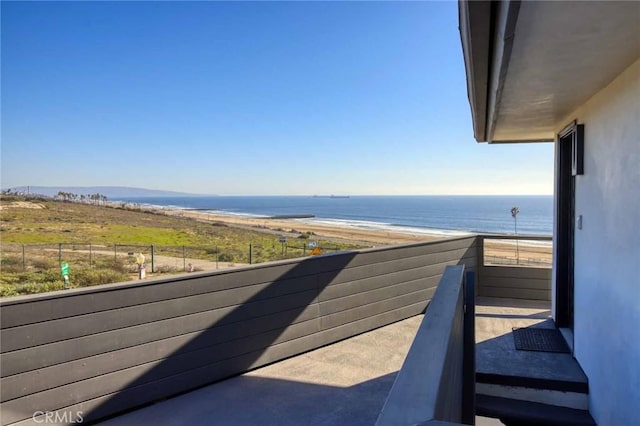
(415, 214)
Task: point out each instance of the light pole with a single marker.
(514, 213)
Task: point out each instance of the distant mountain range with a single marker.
(109, 191)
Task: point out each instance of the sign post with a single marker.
(315, 249)
(283, 242)
(141, 266)
(64, 269)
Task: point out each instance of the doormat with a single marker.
(539, 340)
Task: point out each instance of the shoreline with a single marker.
(294, 227)
(378, 234)
(287, 227)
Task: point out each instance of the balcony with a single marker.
(316, 340)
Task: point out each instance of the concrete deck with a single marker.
(344, 383)
(496, 354)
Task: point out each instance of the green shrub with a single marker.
(10, 264)
(36, 277)
(7, 278)
(7, 290)
(166, 269)
(225, 257)
(119, 265)
(42, 264)
(90, 277)
(10, 261)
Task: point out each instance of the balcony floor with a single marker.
(344, 383)
(496, 354)
(348, 382)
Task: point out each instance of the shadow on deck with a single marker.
(343, 383)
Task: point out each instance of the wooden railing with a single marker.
(526, 275)
(97, 351)
(436, 381)
(105, 349)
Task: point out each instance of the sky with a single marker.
(265, 98)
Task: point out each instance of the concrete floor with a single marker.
(345, 383)
(495, 349)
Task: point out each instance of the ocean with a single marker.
(440, 215)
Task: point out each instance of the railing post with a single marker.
(184, 260)
(250, 254)
(469, 352)
(90, 256)
(24, 268)
(480, 262)
(115, 253)
(153, 250)
(59, 252)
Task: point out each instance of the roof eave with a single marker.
(487, 30)
(475, 33)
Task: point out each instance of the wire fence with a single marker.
(157, 259)
(517, 252)
(164, 259)
(37, 267)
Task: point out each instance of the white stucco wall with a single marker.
(607, 253)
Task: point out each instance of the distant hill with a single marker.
(113, 192)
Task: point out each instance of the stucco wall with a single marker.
(607, 254)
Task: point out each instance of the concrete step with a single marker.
(514, 412)
(562, 393)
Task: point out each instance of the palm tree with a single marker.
(514, 213)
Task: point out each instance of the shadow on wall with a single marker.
(204, 359)
(104, 352)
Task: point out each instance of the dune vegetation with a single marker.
(99, 241)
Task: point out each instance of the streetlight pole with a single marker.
(514, 213)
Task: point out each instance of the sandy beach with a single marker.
(288, 227)
(496, 251)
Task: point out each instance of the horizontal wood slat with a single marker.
(519, 282)
(517, 272)
(514, 293)
(110, 348)
(523, 283)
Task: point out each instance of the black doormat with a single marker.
(539, 340)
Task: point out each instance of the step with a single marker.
(524, 413)
(562, 393)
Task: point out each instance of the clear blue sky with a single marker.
(248, 98)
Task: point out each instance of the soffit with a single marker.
(563, 53)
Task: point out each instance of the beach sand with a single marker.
(288, 227)
(502, 252)
(497, 252)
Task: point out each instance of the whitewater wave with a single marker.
(342, 223)
(383, 227)
(234, 214)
